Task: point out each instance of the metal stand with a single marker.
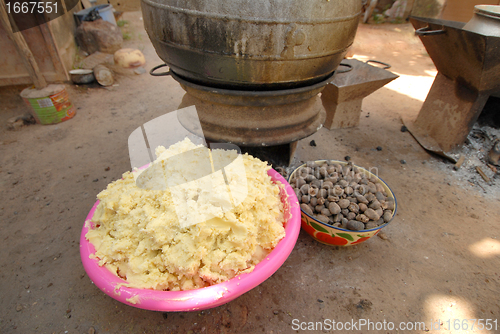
(277, 156)
(468, 73)
(343, 96)
(448, 113)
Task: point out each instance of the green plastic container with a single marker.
(50, 105)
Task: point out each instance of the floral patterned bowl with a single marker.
(336, 236)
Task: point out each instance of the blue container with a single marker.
(106, 12)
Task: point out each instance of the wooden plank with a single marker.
(65, 10)
(483, 175)
(460, 162)
(86, 4)
(53, 51)
(24, 79)
(22, 48)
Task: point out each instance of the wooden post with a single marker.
(22, 48)
(86, 4)
(55, 56)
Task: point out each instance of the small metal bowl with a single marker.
(82, 76)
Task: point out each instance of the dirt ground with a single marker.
(438, 261)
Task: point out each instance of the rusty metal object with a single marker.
(252, 44)
(103, 75)
(344, 94)
(468, 73)
(426, 141)
(252, 118)
(449, 112)
(465, 56)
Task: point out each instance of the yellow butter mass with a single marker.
(137, 233)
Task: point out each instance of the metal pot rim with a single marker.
(492, 11)
(81, 71)
(252, 93)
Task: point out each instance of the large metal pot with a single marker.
(268, 44)
(486, 20)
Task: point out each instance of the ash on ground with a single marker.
(476, 152)
(484, 135)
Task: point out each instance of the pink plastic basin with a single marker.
(199, 299)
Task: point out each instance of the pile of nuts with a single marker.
(342, 195)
